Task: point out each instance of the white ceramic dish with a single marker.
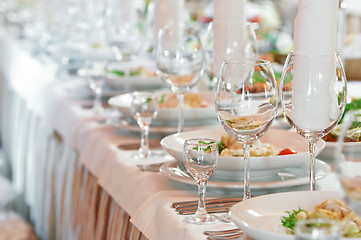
(279, 138)
(141, 82)
(122, 103)
(260, 216)
(328, 152)
(287, 177)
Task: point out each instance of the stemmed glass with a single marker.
(123, 31)
(315, 98)
(348, 159)
(144, 108)
(95, 73)
(200, 158)
(179, 62)
(246, 104)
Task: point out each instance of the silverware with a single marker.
(215, 205)
(209, 210)
(208, 201)
(224, 234)
(233, 236)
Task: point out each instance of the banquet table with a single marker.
(70, 168)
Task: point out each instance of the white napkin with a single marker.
(168, 13)
(315, 31)
(129, 158)
(230, 32)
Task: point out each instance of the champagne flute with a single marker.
(246, 104)
(179, 62)
(200, 158)
(348, 159)
(317, 98)
(144, 108)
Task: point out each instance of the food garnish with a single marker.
(292, 218)
(330, 209)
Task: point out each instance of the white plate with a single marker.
(279, 138)
(260, 216)
(297, 176)
(122, 103)
(329, 151)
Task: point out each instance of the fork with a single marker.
(224, 234)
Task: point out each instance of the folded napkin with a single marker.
(168, 13)
(129, 158)
(315, 29)
(230, 31)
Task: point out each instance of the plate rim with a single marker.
(320, 173)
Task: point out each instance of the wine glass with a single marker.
(124, 31)
(179, 62)
(95, 73)
(144, 108)
(314, 99)
(200, 158)
(246, 104)
(348, 158)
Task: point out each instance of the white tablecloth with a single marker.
(40, 104)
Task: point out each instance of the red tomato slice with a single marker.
(286, 151)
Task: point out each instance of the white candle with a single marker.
(315, 29)
(230, 32)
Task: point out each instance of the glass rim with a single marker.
(197, 140)
(255, 61)
(314, 55)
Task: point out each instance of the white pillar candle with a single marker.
(230, 32)
(315, 29)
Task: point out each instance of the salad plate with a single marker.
(279, 138)
(167, 116)
(286, 177)
(260, 217)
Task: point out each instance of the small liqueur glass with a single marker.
(144, 108)
(95, 73)
(200, 157)
(317, 229)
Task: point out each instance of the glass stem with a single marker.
(246, 169)
(201, 197)
(180, 98)
(144, 142)
(311, 148)
(98, 100)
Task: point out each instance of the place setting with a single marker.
(313, 103)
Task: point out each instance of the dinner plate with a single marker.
(286, 177)
(259, 217)
(167, 115)
(280, 138)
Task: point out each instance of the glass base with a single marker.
(201, 219)
(225, 218)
